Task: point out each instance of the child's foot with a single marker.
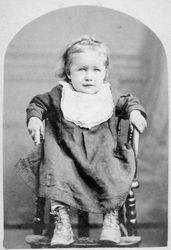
(62, 234)
(111, 230)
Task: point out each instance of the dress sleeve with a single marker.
(127, 103)
(40, 105)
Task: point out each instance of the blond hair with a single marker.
(80, 45)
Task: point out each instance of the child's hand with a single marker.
(137, 120)
(35, 128)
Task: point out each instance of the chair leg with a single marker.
(131, 222)
(83, 224)
(38, 224)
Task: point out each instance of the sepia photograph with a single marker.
(85, 131)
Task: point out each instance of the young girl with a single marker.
(81, 166)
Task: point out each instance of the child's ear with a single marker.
(68, 73)
(106, 76)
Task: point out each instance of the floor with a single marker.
(151, 237)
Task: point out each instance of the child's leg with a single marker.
(54, 204)
(62, 234)
(111, 229)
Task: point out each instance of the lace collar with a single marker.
(86, 110)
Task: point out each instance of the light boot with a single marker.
(62, 234)
(111, 229)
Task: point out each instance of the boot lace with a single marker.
(111, 219)
(61, 218)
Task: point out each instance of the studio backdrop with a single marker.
(138, 65)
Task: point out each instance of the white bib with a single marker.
(86, 110)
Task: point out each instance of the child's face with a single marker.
(87, 71)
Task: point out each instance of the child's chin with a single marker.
(90, 91)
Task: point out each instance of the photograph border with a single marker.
(15, 14)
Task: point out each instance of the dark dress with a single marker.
(84, 168)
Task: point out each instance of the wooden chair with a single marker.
(127, 214)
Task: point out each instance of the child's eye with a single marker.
(81, 69)
(96, 69)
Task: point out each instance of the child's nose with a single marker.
(89, 75)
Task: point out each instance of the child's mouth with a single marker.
(88, 85)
